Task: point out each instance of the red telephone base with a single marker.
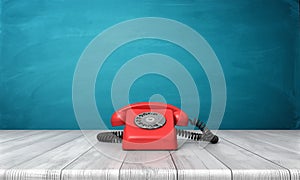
(164, 138)
(169, 142)
(146, 131)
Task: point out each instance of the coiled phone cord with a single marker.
(206, 135)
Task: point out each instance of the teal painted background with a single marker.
(256, 41)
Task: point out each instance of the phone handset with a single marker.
(119, 117)
(150, 126)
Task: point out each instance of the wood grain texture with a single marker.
(77, 155)
(50, 164)
(268, 149)
(9, 135)
(148, 165)
(25, 152)
(287, 140)
(193, 162)
(244, 164)
(101, 162)
(25, 141)
(293, 133)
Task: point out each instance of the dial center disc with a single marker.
(150, 120)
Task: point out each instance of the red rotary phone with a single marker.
(150, 126)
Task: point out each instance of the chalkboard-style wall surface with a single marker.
(256, 41)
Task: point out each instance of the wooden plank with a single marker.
(25, 153)
(281, 156)
(244, 164)
(63, 155)
(148, 165)
(193, 162)
(283, 132)
(280, 139)
(101, 162)
(9, 135)
(49, 165)
(19, 143)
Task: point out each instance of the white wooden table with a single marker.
(38, 155)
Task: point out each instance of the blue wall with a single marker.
(256, 42)
(297, 83)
